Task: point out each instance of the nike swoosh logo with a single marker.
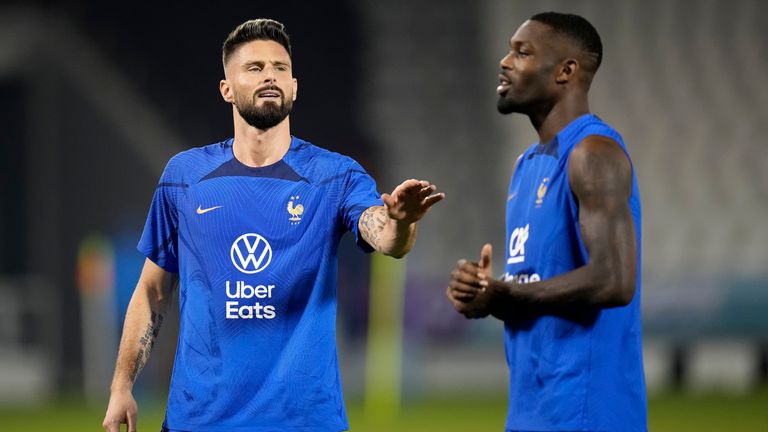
(204, 211)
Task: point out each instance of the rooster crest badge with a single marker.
(541, 192)
(296, 211)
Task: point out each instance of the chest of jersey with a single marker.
(540, 221)
(280, 211)
(255, 241)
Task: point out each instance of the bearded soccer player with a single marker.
(250, 228)
(570, 296)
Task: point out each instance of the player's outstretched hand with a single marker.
(122, 409)
(467, 290)
(411, 200)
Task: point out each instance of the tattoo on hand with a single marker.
(147, 342)
(371, 225)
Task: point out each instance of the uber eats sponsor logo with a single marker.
(250, 254)
(244, 292)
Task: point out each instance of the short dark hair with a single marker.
(255, 29)
(577, 28)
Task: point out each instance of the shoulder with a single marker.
(209, 151)
(192, 161)
(316, 159)
(517, 162)
(595, 145)
(599, 161)
(592, 124)
(311, 151)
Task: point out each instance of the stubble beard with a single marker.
(505, 106)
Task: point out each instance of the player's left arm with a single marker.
(600, 176)
(391, 228)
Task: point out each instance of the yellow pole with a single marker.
(383, 373)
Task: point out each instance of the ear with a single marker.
(567, 71)
(226, 91)
(295, 89)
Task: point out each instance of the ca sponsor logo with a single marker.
(517, 245)
(251, 253)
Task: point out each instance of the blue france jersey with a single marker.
(579, 371)
(256, 253)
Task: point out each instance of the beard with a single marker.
(267, 116)
(522, 104)
(509, 103)
(528, 96)
(506, 106)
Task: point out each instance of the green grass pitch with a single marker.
(673, 412)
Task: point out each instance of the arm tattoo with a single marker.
(147, 342)
(371, 224)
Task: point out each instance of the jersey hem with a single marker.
(199, 428)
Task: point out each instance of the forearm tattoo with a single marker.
(146, 343)
(371, 224)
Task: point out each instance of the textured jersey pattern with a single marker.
(256, 252)
(580, 371)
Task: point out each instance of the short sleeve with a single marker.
(160, 241)
(359, 194)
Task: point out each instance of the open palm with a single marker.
(411, 200)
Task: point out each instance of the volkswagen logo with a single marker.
(251, 253)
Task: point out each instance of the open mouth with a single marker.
(269, 94)
(504, 85)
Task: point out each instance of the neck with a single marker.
(257, 148)
(552, 119)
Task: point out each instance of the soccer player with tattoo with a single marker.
(248, 230)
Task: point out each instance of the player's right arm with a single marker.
(391, 228)
(143, 320)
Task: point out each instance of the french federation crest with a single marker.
(295, 211)
(541, 192)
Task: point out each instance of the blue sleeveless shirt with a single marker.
(580, 370)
